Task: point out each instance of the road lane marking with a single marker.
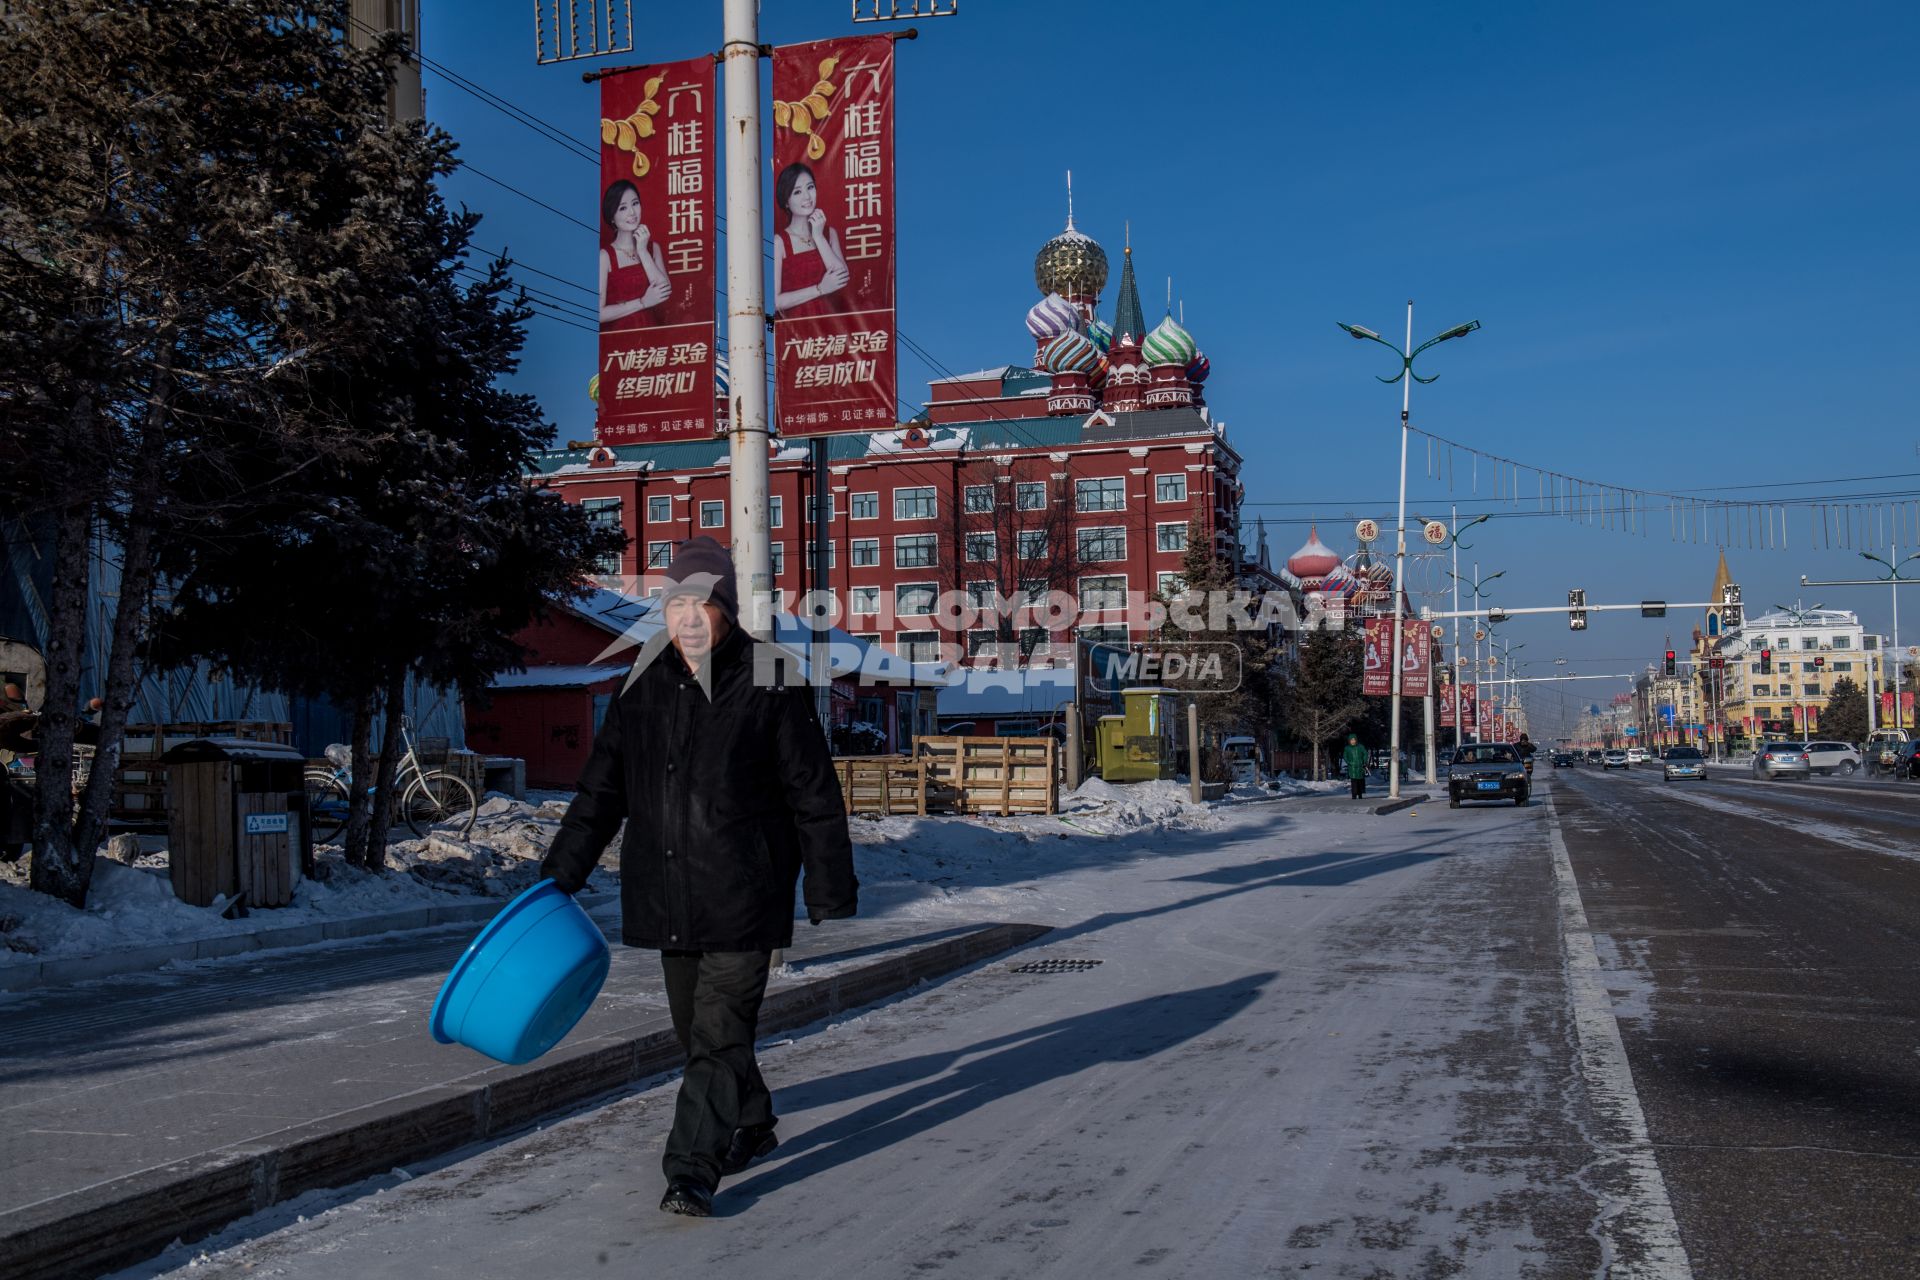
(1636, 1217)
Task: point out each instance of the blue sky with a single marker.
(1686, 230)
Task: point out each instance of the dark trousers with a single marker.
(1359, 785)
(715, 999)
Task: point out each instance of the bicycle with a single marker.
(430, 797)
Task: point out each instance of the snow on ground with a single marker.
(919, 868)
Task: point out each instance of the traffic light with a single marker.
(1731, 614)
(1819, 661)
(1577, 609)
(1766, 662)
(1670, 663)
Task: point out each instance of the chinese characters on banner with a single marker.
(833, 236)
(1444, 696)
(1415, 664)
(656, 265)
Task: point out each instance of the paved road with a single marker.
(1766, 946)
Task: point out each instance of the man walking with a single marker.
(1355, 760)
(727, 791)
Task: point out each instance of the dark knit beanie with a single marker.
(703, 569)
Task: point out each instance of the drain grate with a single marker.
(1057, 966)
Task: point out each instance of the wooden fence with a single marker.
(882, 784)
(994, 775)
(140, 784)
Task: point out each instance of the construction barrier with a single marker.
(1002, 776)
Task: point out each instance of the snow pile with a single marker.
(1105, 809)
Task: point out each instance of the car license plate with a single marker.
(1489, 786)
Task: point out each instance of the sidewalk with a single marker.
(161, 1106)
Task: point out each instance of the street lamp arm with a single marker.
(1416, 377)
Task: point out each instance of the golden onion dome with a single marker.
(1071, 264)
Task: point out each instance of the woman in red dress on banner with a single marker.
(807, 266)
(633, 274)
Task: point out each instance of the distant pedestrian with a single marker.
(1354, 758)
(727, 791)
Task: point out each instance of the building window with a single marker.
(1106, 633)
(1810, 690)
(1843, 666)
(918, 646)
(916, 551)
(818, 500)
(979, 498)
(776, 511)
(866, 506)
(1109, 494)
(915, 599)
(868, 637)
(1033, 640)
(1763, 691)
(866, 552)
(1171, 585)
(659, 554)
(1030, 495)
(979, 642)
(983, 594)
(1104, 542)
(604, 513)
(1031, 544)
(779, 558)
(1809, 642)
(1763, 713)
(713, 515)
(1170, 488)
(660, 510)
(1843, 642)
(983, 548)
(1171, 537)
(864, 601)
(918, 503)
(1108, 591)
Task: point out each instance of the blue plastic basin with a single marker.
(524, 982)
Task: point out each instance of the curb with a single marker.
(36, 974)
(1404, 802)
(114, 1224)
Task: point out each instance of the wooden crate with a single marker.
(994, 775)
(882, 784)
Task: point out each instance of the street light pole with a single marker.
(746, 317)
(1406, 378)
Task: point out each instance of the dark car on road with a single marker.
(1486, 771)
(1564, 759)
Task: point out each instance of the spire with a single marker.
(1721, 578)
(1069, 199)
(1128, 319)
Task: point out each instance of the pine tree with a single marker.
(1845, 716)
(184, 182)
(1213, 613)
(1321, 698)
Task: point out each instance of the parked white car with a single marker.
(1243, 761)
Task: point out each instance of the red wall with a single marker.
(551, 729)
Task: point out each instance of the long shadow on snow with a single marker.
(931, 1089)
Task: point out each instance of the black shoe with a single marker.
(747, 1146)
(687, 1198)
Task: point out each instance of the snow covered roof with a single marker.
(578, 677)
(1038, 691)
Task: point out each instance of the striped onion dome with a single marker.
(1097, 377)
(1052, 316)
(1101, 332)
(720, 373)
(1197, 371)
(1071, 352)
(1169, 344)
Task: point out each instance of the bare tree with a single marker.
(1014, 543)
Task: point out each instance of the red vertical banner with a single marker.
(656, 262)
(1416, 667)
(1376, 671)
(1469, 692)
(833, 236)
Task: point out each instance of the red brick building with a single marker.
(1080, 482)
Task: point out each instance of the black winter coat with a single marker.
(725, 801)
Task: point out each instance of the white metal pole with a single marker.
(746, 316)
(1400, 563)
(1899, 712)
(1459, 725)
(1479, 673)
